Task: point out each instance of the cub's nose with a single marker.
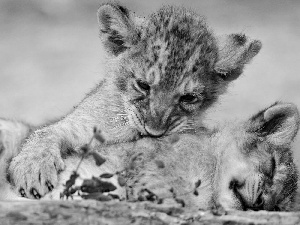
(249, 192)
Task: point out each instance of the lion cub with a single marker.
(244, 165)
(247, 165)
(163, 72)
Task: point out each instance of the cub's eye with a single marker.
(189, 99)
(143, 85)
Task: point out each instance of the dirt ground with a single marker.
(50, 55)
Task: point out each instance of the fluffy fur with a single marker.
(244, 165)
(163, 72)
(12, 134)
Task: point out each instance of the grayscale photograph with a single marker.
(149, 112)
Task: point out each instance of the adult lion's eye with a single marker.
(189, 99)
(143, 85)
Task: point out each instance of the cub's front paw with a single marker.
(35, 174)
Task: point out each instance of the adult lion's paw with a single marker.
(34, 174)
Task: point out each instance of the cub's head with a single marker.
(255, 163)
(169, 67)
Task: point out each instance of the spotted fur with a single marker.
(242, 165)
(162, 73)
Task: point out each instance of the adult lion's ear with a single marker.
(117, 28)
(279, 124)
(234, 51)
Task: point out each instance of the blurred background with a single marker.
(50, 55)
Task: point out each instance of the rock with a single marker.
(114, 212)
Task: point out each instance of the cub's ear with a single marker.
(235, 50)
(117, 28)
(279, 124)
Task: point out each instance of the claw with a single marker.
(22, 192)
(35, 193)
(49, 185)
